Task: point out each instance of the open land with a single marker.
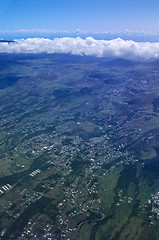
(79, 148)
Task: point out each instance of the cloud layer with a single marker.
(89, 47)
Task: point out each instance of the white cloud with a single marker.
(89, 47)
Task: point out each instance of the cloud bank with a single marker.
(88, 47)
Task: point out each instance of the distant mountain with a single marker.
(120, 62)
(154, 63)
(2, 41)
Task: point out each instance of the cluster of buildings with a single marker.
(34, 173)
(5, 188)
(155, 203)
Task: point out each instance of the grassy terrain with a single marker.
(107, 187)
(90, 128)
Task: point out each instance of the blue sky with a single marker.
(86, 15)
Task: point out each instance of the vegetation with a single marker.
(79, 147)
